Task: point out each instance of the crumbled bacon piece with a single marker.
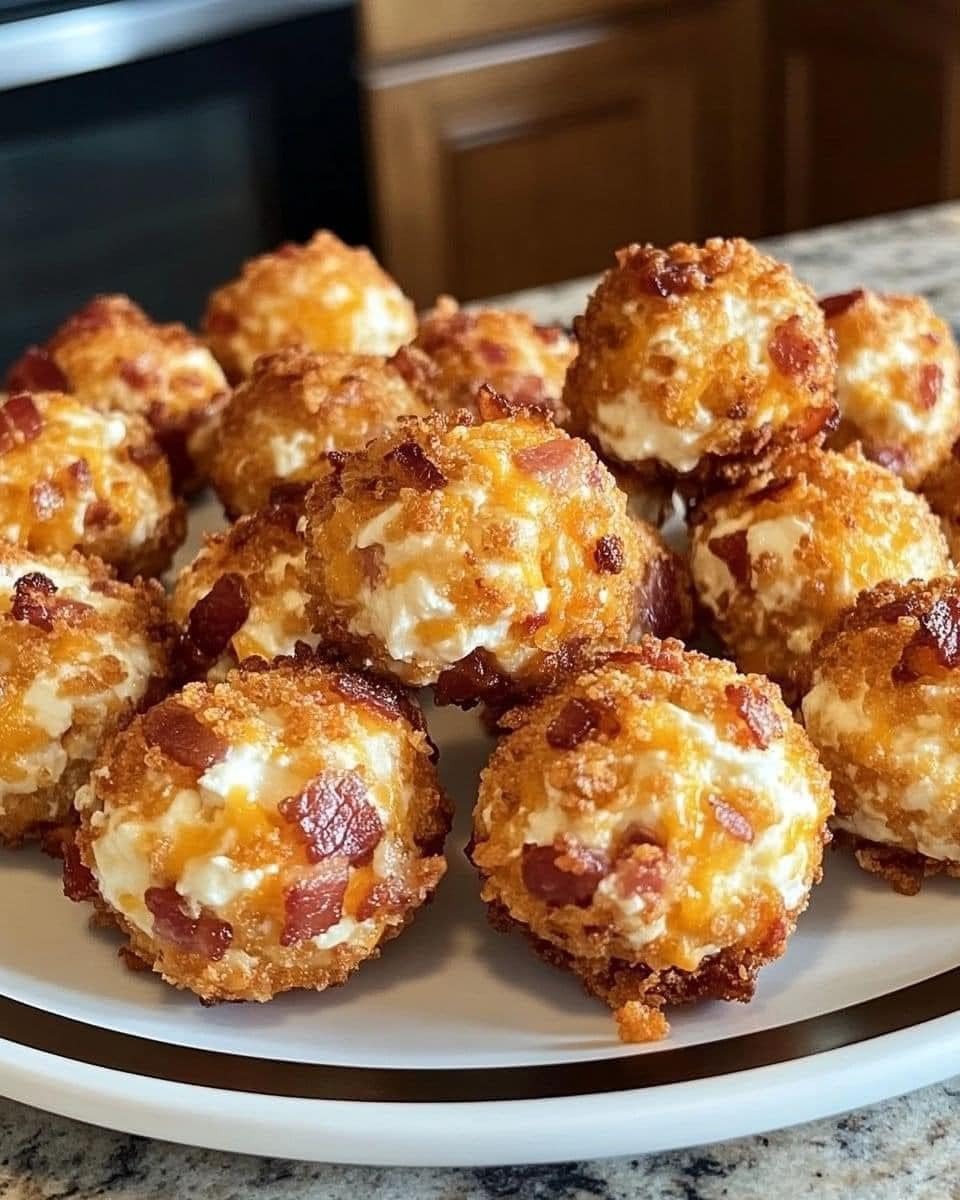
(492, 405)
(31, 600)
(792, 351)
(525, 395)
(732, 820)
(658, 599)
(335, 818)
(660, 656)
(577, 720)
(935, 644)
(78, 881)
(79, 472)
(930, 385)
(661, 274)
(137, 373)
(100, 514)
(20, 421)
(733, 550)
(642, 869)
(179, 734)
(315, 905)
(818, 420)
(833, 306)
(205, 935)
(415, 367)
(564, 463)
(47, 499)
(757, 713)
(565, 873)
(413, 461)
(36, 371)
(493, 353)
(217, 616)
(894, 458)
(608, 554)
(381, 696)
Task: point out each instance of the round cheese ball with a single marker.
(265, 833)
(777, 559)
(465, 348)
(295, 408)
(74, 478)
(700, 361)
(883, 709)
(898, 380)
(79, 651)
(244, 595)
(323, 296)
(111, 356)
(484, 559)
(655, 826)
(941, 489)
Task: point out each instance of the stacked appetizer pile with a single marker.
(239, 775)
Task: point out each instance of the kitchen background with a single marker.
(478, 146)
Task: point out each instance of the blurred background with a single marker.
(478, 146)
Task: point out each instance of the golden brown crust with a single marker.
(29, 817)
(942, 491)
(903, 870)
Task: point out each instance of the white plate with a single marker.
(459, 1047)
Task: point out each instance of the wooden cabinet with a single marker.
(865, 108)
(527, 158)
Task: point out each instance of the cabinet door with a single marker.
(529, 161)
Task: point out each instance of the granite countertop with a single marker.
(905, 1148)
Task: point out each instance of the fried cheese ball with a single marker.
(655, 826)
(776, 560)
(485, 559)
(79, 651)
(942, 492)
(700, 361)
(244, 595)
(523, 361)
(884, 712)
(323, 296)
(74, 478)
(295, 408)
(898, 380)
(265, 833)
(111, 356)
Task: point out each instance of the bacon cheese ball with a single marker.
(295, 408)
(111, 356)
(700, 361)
(942, 491)
(322, 295)
(523, 361)
(484, 559)
(884, 712)
(265, 833)
(74, 478)
(777, 559)
(78, 652)
(655, 826)
(244, 594)
(898, 380)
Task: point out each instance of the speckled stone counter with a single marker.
(902, 1149)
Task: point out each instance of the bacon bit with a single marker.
(79, 472)
(474, 678)
(935, 643)
(931, 383)
(608, 554)
(47, 498)
(494, 353)
(381, 696)
(757, 713)
(20, 421)
(793, 353)
(99, 515)
(564, 873)
(28, 601)
(493, 405)
(642, 870)
(732, 549)
(78, 881)
(660, 274)
(658, 599)
(335, 818)
(660, 656)
(833, 306)
(148, 453)
(205, 935)
(534, 621)
(176, 732)
(316, 905)
(218, 615)
(412, 460)
(561, 463)
(577, 720)
(894, 458)
(551, 335)
(137, 372)
(36, 371)
(733, 821)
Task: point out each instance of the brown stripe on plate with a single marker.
(79, 1042)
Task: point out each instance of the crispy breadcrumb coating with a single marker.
(111, 356)
(74, 478)
(323, 296)
(265, 833)
(79, 651)
(777, 559)
(656, 826)
(898, 380)
(942, 491)
(884, 711)
(485, 559)
(295, 408)
(700, 361)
